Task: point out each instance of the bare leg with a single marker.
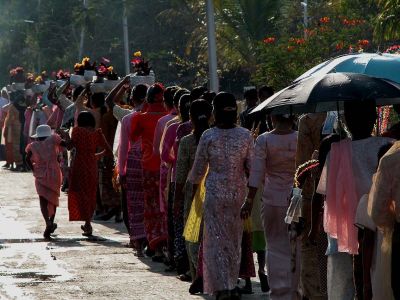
(44, 210)
(53, 216)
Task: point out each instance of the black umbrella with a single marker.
(327, 92)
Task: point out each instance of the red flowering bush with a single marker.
(283, 59)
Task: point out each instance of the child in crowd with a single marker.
(42, 157)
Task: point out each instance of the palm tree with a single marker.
(241, 25)
(386, 27)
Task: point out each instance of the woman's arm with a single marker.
(28, 159)
(250, 161)
(79, 103)
(104, 144)
(168, 143)
(182, 171)
(117, 92)
(200, 164)
(66, 140)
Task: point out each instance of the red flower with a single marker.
(269, 40)
(393, 49)
(136, 61)
(300, 41)
(102, 70)
(325, 20)
(363, 42)
(323, 29)
(352, 22)
(309, 32)
(290, 48)
(339, 46)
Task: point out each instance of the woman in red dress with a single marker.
(86, 141)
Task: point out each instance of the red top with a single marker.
(143, 126)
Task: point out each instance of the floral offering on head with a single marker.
(105, 70)
(85, 65)
(140, 66)
(61, 74)
(44, 75)
(112, 75)
(30, 80)
(17, 75)
(102, 71)
(39, 80)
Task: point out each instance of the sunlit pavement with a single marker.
(71, 266)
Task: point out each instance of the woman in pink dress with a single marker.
(274, 166)
(42, 157)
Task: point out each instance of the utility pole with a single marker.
(126, 38)
(212, 47)
(305, 16)
(39, 57)
(82, 41)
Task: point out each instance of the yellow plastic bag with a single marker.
(247, 226)
(192, 228)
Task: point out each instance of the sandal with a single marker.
(53, 228)
(46, 233)
(197, 286)
(184, 278)
(86, 231)
(139, 253)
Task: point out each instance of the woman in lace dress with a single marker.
(226, 151)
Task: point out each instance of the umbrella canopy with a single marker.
(326, 92)
(378, 65)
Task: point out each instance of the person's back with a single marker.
(277, 153)
(45, 152)
(85, 142)
(281, 153)
(144, 125)
(225, 155)
(365, 161)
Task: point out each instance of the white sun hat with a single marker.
(42, 131)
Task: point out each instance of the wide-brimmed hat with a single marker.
(42, 131)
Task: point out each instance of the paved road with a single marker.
(70, 266)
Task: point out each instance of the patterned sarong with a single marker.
(155, 221)
(134, 192)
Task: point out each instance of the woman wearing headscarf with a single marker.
(225, 151)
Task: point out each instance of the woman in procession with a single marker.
(274, 166)
(225, 150)
(176, 153)
(86, 140)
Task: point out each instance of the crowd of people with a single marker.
(203, 185)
